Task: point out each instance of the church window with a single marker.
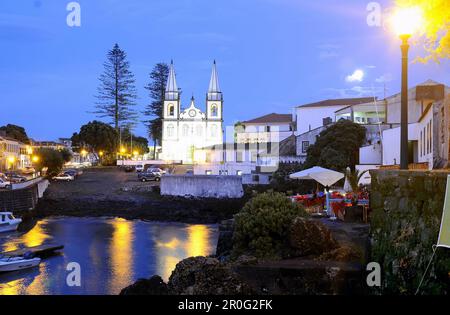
(171, 110)
(185, 130)
(170, 130)
(214, 110)
(213, 131)
(199, 131)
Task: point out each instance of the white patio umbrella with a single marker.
(321, 175)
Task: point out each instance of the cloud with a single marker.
(387, 77)
(356, 76)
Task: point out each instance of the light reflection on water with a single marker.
(112, 253)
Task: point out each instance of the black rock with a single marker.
(153, 286)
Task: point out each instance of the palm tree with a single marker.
(354, 177)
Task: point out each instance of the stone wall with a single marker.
(204, 186)
(405, 220)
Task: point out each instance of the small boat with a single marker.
(8, 222)
(8, 264)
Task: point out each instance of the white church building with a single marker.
(185, 130)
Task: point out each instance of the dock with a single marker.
(43, 250)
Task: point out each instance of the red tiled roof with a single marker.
(270, 118)
(340, 101)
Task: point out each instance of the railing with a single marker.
(411, 166)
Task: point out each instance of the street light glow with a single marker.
(35, 158)
(406, 21)
(11, 159)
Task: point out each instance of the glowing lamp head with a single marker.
(407, 21)
(84, 152)
(135, 152)
(122, 150)
(35, 158)
(101, 153)
(11, 159)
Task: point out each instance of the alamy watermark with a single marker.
(74, 17)
(73, 278)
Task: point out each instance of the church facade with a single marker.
(186, 130)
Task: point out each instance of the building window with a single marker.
(170, 130)
(171, 111)
(214, 110)
(185, 130)
(305, 146)
(239, 173)
(239, 156)
(213, 131)
(199, 131)
(208, 172)
(255, 178)
(267, 128)
(223, 172)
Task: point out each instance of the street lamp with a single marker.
(405, 21)
(35, 158)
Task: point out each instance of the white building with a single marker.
(268, 128)
(313, 118)
(186, 130)
(428, 126)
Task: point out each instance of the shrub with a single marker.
(262, 226)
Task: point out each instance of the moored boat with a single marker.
(8, 264)
(8, 222)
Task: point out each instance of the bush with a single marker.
(262, 226)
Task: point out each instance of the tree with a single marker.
(154, 110)
(66, 155)
(51, 159)
(436, 28)
(96, 136)
(16, 132)
(116, 92)
(337, 147)
(133, 143)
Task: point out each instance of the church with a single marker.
(186, 130)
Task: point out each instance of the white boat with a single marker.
(8, 222)
(8, 264)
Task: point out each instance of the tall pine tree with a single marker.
(117, 92)
(154, 110)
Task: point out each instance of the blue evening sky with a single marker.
(271, 55)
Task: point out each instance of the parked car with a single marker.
(4, 183)
(139, 168)
(15, 178)
(64, 177)
(149, 176)
(157, 169)
(72, 173)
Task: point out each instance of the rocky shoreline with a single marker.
(329, 271)
(199, 211)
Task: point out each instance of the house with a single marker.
(428, 126)
(13, 154)
(268, 128)
(313, 118)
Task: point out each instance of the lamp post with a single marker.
(405, 22)
(404, 104)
